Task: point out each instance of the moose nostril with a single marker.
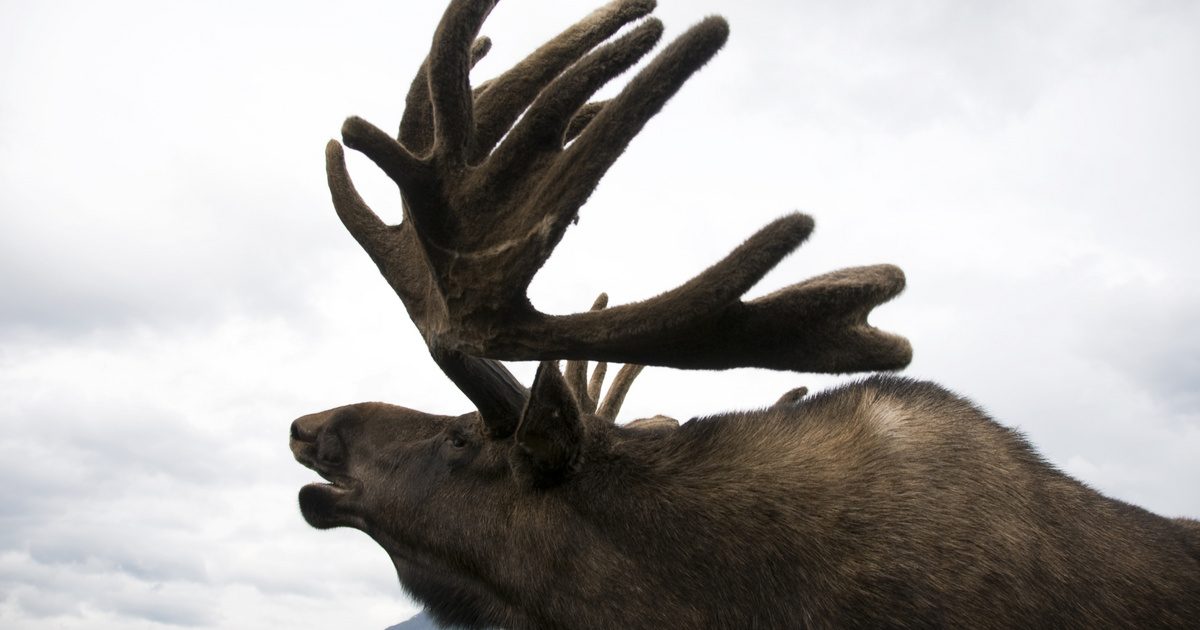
(295, 432)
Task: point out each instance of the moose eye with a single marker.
(457, 441)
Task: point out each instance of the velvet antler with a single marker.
(492, 177)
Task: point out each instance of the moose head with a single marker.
(862, 507)
(398, 474)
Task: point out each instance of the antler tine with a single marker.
(830, 309)
(575, 174)
(576, 375)
(791, 397)
(406, 169)
(582, 119)
(497, 107)
(576, 372)
(416, 126)
(587, 397)
(542, 129)
(363, 224)
(618, 390)
(449, 78)
(596, 383)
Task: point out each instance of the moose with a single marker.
(883, 503)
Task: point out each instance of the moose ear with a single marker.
(550, 435)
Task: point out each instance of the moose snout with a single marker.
(302, 440)
(314, 442)
(306, 428)
(297, 432)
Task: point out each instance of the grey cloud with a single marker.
(157, 178)
(93, 271)
(157, 460)
(48, 591)
(1154, 339)
(901, 67)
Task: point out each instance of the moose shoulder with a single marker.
(883, 503)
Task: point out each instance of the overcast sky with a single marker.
(175, 288)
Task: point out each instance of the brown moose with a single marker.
(886, 503)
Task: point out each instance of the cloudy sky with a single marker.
(175, 288)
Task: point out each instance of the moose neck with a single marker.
(567, 551)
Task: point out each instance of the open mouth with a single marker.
(334, 483)
(333, 488)
(323, 504)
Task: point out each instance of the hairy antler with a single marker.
(587, 391)
(492, 177)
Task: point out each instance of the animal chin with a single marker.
(320, 503)
(324, 504)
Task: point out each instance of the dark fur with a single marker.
(885, 503)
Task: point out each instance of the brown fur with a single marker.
(886, 503)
